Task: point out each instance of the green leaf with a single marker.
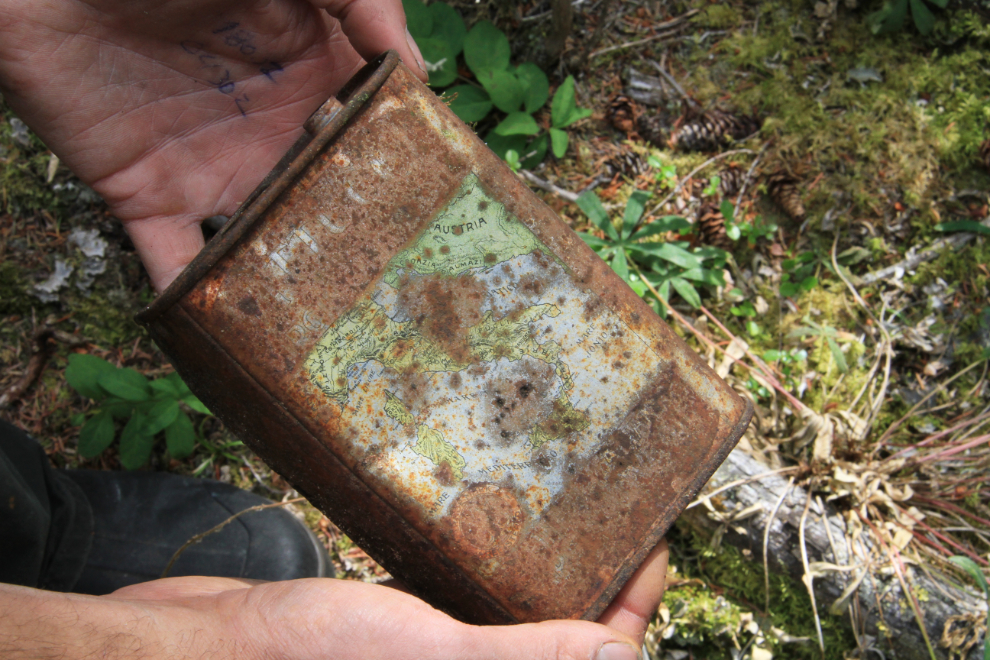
(924, 19)
(161, 415)
(517, 123)
(772, 355)
(448, 26)
(727, 209)
(135, 442)
(705, 276)
(577, 115)
(535, 84)
(668, 252)
(809, 283)
(593, 241)
(419, 19)
(535, 152)
(469, 103)
(165, 387)
(83, 374)
(732, 231)
(176, 380)
(127, 384)
(889, 18)
(193, 402)
(853, 256)
(592, 207)
(180, 436)
(440, 59)
(504, 89)
(119, 408)
(501, 144)
(971, 567)
(961, 225)
(634, 211)
(564, 104)
(753, 328)
(662, 226)
(942, 4)
(486, 48)
(687, 291)
(620, 265)
(560, 140)
(837, 355)
(96, 434)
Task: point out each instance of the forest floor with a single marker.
(867, 365)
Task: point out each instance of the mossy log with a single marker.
(886, 621)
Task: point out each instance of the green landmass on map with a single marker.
(430, 443)
(563, 421)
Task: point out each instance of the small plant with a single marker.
(748, 313)
(666, 174)
(970, 566)
(518, 91)
(798, 275)
(753, 231)
(891, 17)
(664, 265)
(829, 335)
(147, 408)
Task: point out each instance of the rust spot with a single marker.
(249, 306)
(482, 205)
(455, 381)
(518, 397)
(444, 249)
(428, 253)
(490, 258)
(443, 308)
(592, 308)
(532, 284)
(486, 518)
(445, 474)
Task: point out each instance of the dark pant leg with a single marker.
(46, 523)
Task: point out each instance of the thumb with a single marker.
(374, 26)
(550, 640)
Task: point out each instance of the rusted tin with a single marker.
(398, 326)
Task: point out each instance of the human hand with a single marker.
(174, 110)
(224, 618)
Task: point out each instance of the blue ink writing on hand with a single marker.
(270, 68)
(226, 27)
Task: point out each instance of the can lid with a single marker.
(322, 126)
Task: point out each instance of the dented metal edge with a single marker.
(665, 522)
(358, 91)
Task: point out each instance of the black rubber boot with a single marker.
(142, 518)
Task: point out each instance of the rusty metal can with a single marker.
(399, 327)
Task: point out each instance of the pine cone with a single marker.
(711, 226)
(783, 189)
(627, 163)
(985, 155)
(652, 128)
(621, 114)
(713, 130)
(731, 181)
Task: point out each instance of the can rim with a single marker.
(354, 95)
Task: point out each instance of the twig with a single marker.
(941, 434)
(42, 353)
(766, 542)
(680, 184)
(674, 22)
(675, 85)
(199, 537)
(740, 482)
(747, 179)
(955, 241)
(807, 578)
(549, 187)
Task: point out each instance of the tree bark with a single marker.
(879, 600)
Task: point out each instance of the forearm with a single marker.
(44, 624)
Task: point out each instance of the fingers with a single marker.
(166, 246)
(632, 609)
(551, 640)
(374, 26)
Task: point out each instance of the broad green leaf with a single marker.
(732, 231)
(593, 240)
(127, 384)
(771, 355)
(83, 374)
(924, 20)
(161, 415)
(165, 387)
(560, 140)
(135, 443)
(971, 567)
(517, 123)
(469, 103)
(960, 225)
(592, 207)
(96, 434)
(536, 151)
(753, 328)
(809, 283)
(728, 210)
(535, 85)
(512, 159)
(504, 89)
(837, 355)
(889, 18)
(501, 144)
(577, 115)
(486, 48)
(669, 252)
(662, 226)
(564, 104)
(119, 408)
(942, 4)
(448, 26)
(634, 211)
(687, 291)
(620, 265)
(419, 19)
(176, 380)
(440, 59)
(704, 275)
(180, 436)
(193, 402)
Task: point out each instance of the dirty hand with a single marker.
(224, 618)
(174, 110)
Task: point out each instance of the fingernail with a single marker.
(617, 651)
(415, 50)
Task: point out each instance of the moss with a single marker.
(719, 16)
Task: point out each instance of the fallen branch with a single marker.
(44, 348)
(672, 23)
